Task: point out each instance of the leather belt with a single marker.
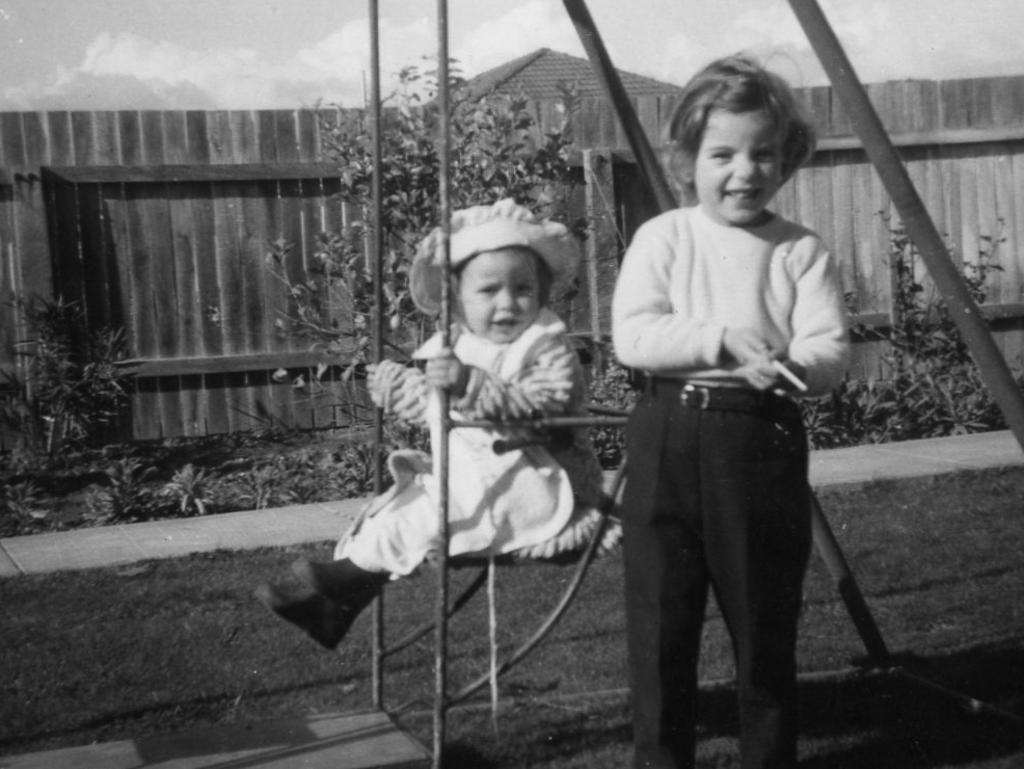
(716, 398)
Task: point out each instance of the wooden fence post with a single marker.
(601, 247)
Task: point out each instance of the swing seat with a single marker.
(564, 547)
(592, 531)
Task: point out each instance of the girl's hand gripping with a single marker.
(761, 366)
(757, 360)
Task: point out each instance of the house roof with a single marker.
(539, 74)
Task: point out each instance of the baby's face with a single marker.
(498, 293)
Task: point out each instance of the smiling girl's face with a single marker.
(738, 167)
(499, 293)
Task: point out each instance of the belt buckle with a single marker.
(704, 392)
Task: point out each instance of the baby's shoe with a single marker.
(341, 580)
(324, 621)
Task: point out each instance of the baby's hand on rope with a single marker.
(446, 372)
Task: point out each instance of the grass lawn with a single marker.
(180, 644)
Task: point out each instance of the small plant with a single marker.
(260, 486)
(355, 469)
(22, 510)
(190, 489)
(305, 476)
(125, 497)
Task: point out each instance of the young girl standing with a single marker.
(724, 305)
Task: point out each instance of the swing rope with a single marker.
(492, 627)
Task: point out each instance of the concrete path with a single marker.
(115, 545)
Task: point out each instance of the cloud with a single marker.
(521, 30)
(889, 41)
(884, 40)
(131, 71)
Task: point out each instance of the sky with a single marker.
(288, 54)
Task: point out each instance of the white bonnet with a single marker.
(487, 228)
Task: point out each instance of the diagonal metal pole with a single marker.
(824, 539)
(616, 93)
(918, 224)
(921, 229)
(377, 673)
(441, 460)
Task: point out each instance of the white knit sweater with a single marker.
(686, 278)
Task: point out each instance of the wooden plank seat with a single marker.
(367, 740)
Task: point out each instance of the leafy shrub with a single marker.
(930, 386)
(72, 388)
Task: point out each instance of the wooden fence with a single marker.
(161, 222)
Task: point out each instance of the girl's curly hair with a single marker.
(736, 84)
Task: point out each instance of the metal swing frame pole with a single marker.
(377, 673)
(441, 461)
(918, 223)
(922, 231)
(650, 168)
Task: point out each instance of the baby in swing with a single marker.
(510, 359)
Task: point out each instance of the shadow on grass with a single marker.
(918, 716)
(884, 720)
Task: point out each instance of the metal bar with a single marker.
(536, 424)
(970, 704)
(846, 584)
(918, 224)
(378, 325)
(441, 460)
(617, 95)
(824, 540)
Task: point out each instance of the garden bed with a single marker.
(153, 480)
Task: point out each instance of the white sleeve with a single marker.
(648, 331)
(820, 339)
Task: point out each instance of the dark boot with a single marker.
(341, 581)
(324, 620)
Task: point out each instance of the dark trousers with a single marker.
(714, 499)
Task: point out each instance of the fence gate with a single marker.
(176, 255)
